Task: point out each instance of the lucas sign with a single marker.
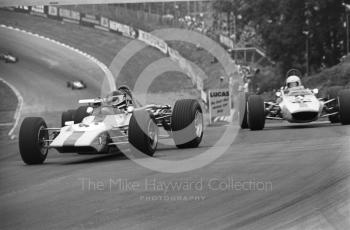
(219, 102)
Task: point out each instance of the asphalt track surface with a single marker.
(305, 169)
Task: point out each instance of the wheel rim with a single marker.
(152, 134)
(198, 123)
(42, 137)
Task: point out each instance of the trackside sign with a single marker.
(219, 103)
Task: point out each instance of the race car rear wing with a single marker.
(90, 101)
(97, 100)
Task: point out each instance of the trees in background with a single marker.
(293, 31)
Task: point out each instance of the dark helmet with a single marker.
(125, 89)
(116, 97)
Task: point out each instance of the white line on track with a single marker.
(17, 115)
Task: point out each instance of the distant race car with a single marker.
(8, 58)
(104, 124)
(296, 105)
(76, 84)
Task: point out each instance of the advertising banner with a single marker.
(219, 103)
(38, 11)
(125, 30)
(114, 26)
(53, 11)
(22, 9)
(133, 33)
(69, 15)
(89, 20)
(154, 41)
(104, 22)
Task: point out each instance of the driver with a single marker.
(116, 99)
(293, 81)
(112, 104)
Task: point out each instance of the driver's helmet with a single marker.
(293, 81)
(116, 98)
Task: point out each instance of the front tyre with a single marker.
(344, 107)
(143, 132)
(256, 112)
(187, 123)
(33, 140)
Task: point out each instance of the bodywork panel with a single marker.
(92, 132)
(301, 108)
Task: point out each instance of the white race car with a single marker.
(8, 58)
(296, 105)
(76, 84)
(104, 124)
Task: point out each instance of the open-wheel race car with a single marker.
(102, 125)
(8, 57)
(295, 104)
(76, 84)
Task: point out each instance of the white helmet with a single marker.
(293, 81)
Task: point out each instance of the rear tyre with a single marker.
(80, 114)
(67, 116)
(344, 107)
(32, 140)
(256, 112)
(333, 93)
(187, 123)
(143, 132)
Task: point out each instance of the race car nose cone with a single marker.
(69, 123)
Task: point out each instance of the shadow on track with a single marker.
(299, 126)
(98, 159)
